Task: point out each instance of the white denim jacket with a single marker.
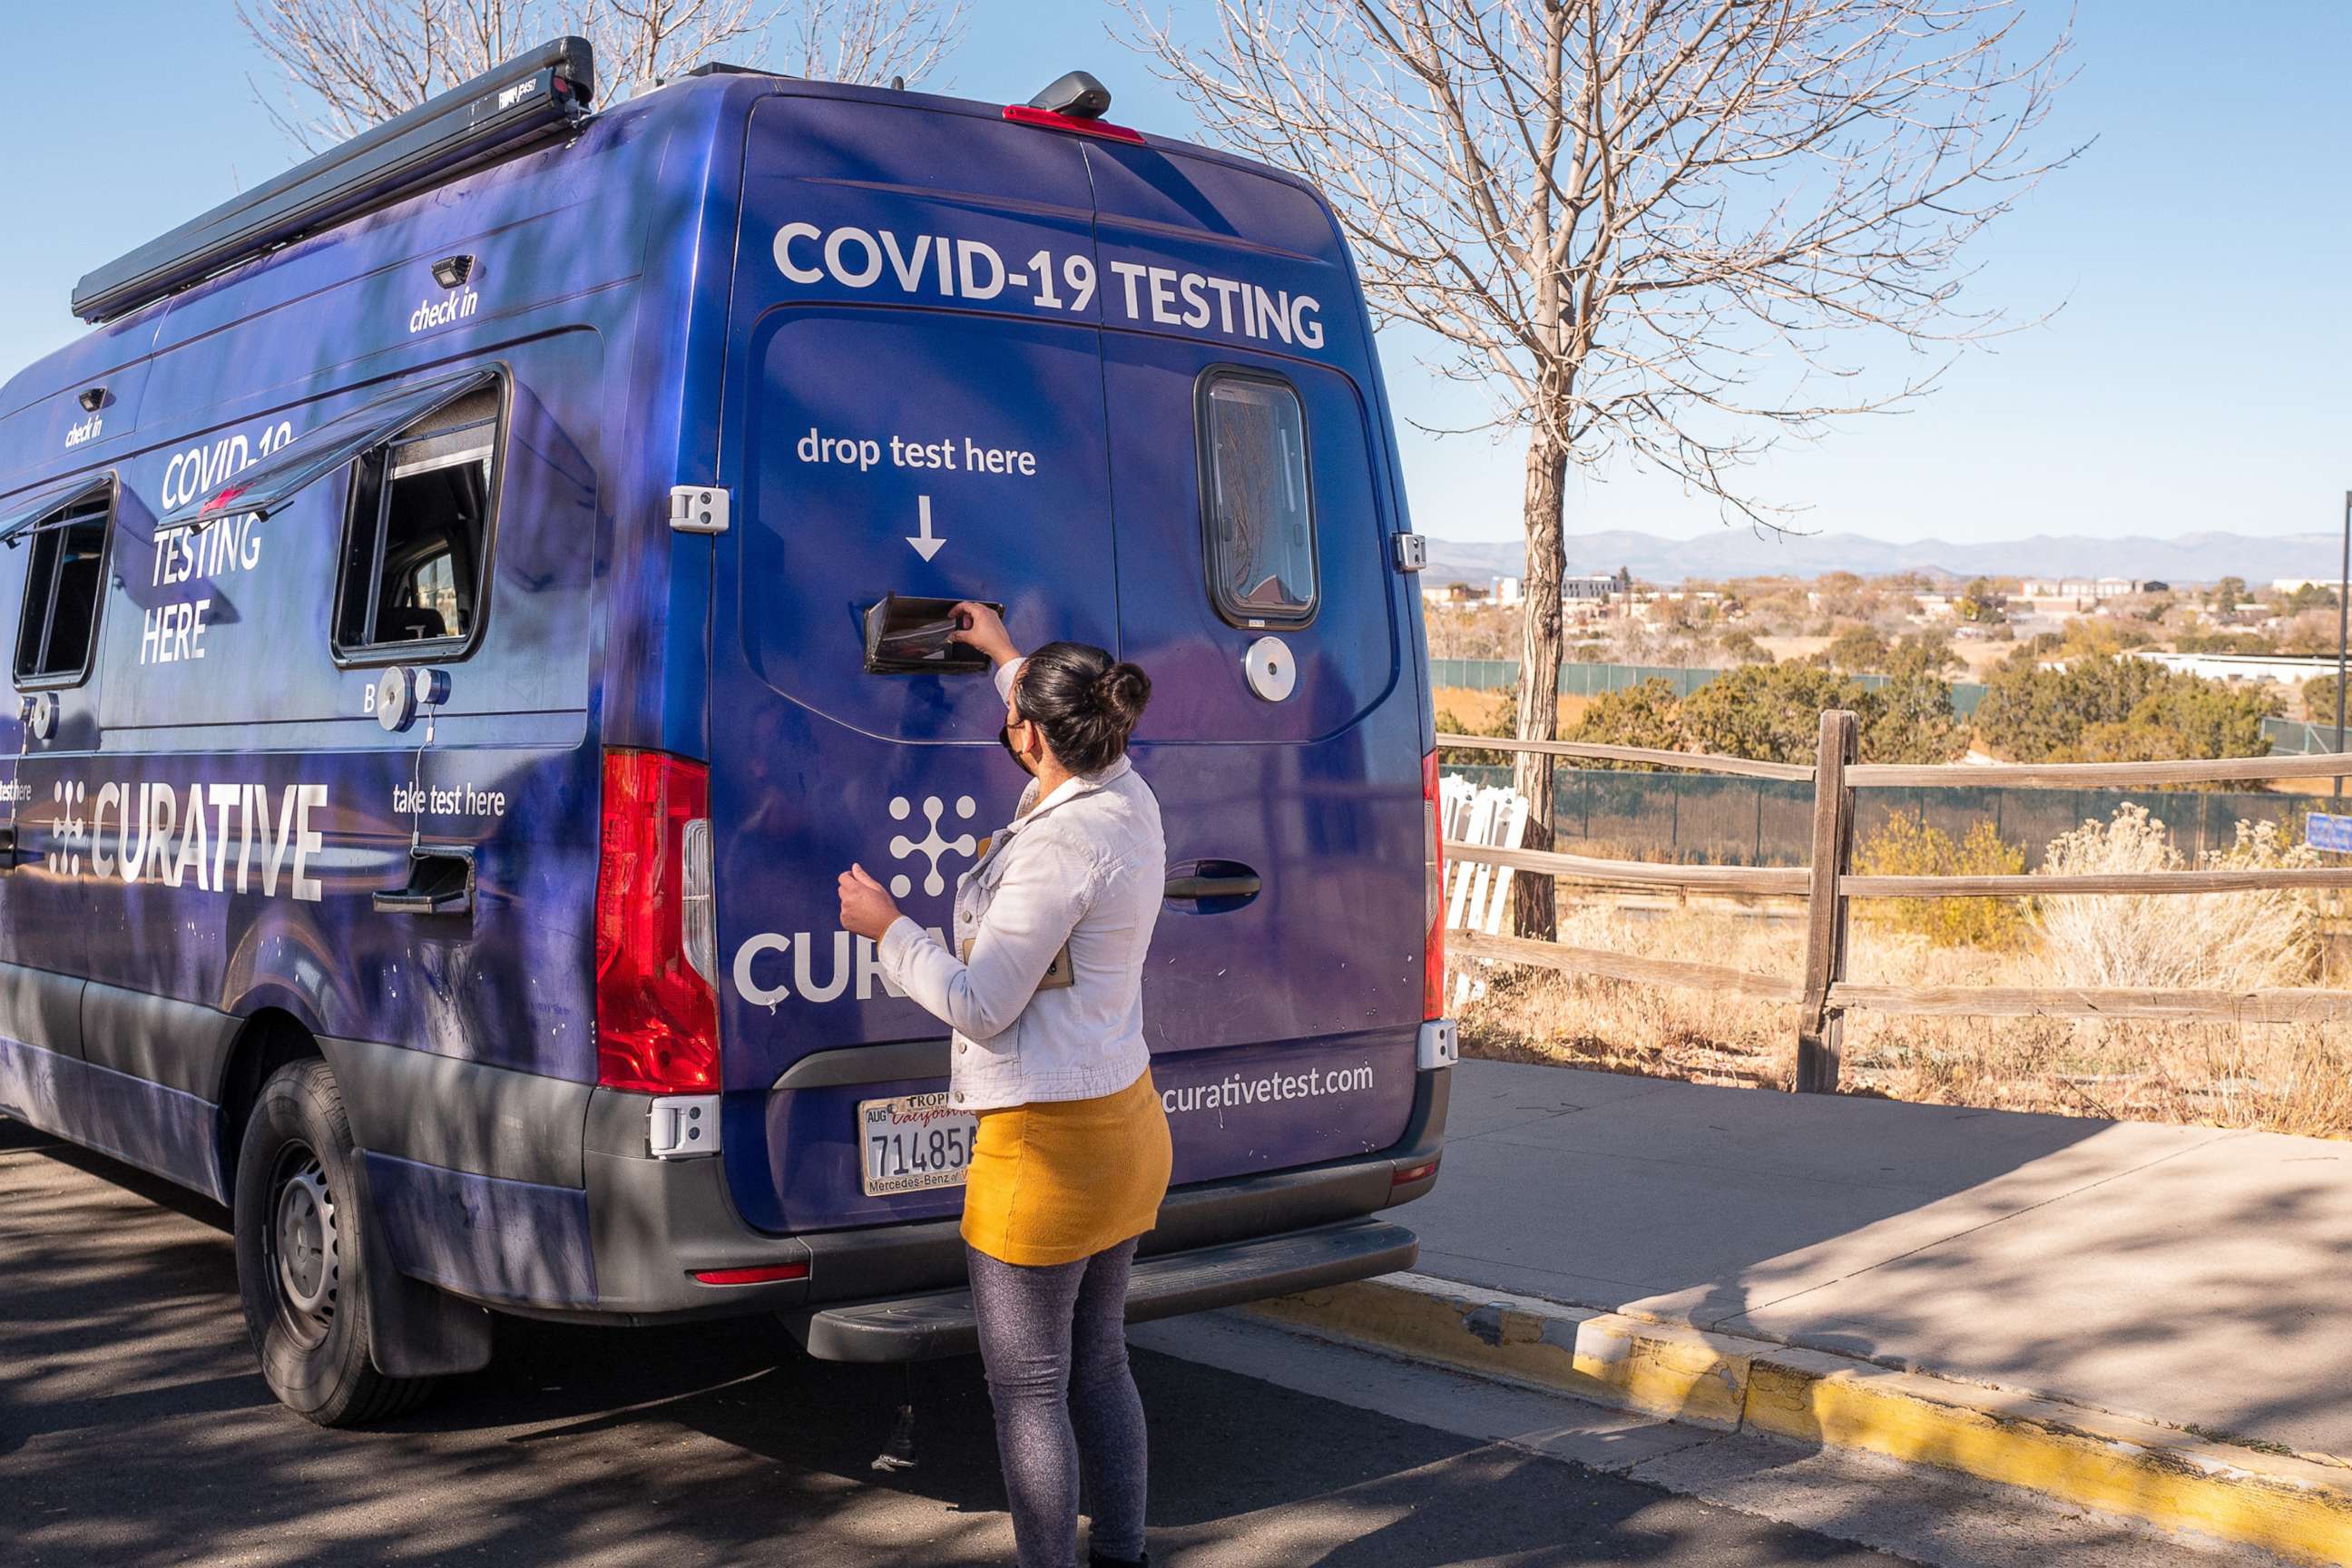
(1088, 867)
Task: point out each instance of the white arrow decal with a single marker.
(926, 543)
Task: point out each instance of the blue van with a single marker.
(473, 593)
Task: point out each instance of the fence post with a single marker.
(1819, 1031)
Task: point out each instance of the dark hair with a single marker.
(1085, 703)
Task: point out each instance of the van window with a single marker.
(1256, 503)
(62, 584)
(420, 527)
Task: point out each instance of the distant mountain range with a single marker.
(1743, 552)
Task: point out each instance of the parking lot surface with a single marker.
(134, 1430)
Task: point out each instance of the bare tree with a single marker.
(344, 65)
(1650, 228)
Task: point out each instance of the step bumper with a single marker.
(940, 1323)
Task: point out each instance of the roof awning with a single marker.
(36, 513)
(266, 486)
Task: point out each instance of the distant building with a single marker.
(2082, 587)
(1597, 588)
(1456, 595)
(2285, 669)
(1508, 591)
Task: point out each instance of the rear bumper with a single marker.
(941, 1323)
(654, 1223)
(492, 1217)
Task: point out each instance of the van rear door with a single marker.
(914, 407)
(1284, 733)
(935, 389)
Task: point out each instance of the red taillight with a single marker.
(657, 1017)
(1406, 1176)
(1433, 961)
(767, 1276)
(1022, 114)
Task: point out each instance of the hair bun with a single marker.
(1122, 690)
(1085, 701)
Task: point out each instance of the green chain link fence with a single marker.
(1705, 819)
(1595, 679)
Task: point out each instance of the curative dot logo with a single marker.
(64, 858)
(932, 845)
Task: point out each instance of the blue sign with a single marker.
(2322, 831)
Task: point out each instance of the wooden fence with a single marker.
(1821, 993)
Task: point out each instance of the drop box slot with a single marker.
(908, 635)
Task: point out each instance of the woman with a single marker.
(1044, 994)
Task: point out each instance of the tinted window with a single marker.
(1255, 500)
(420, 528)
(62, 584)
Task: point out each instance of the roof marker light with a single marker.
(1073, 101)
(1021, 114)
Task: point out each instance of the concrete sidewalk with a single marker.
(2194, 1278)
(2145, 1320)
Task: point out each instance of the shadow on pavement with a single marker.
(134, 1430)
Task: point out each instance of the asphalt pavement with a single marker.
(134, 1430)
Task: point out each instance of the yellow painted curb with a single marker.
(2170, 1478)
(1682, 1373)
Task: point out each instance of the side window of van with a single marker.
(418, 537)
(63, 589)
(1256, 504)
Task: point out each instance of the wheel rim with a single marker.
(304, 1262)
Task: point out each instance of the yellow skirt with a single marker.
(1061, 1180)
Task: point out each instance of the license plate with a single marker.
(913, 1143)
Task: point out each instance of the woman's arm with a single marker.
(1045, 892)
(981, 629)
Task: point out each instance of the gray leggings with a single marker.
(1054, 1341)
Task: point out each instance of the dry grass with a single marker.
(1478, 708)
(2288, 1078)
(2235, 942)
(1536, 1014)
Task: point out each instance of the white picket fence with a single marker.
(1478, 897)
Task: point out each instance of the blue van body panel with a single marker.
(484, 1237)
(752, 283)
(162, 1131)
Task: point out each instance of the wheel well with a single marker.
(269, 1039)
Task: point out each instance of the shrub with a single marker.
(2232, 941)
(1910, 719)
(1773, 712)
(1908, 847)
(1740, 647)
(2319, 699)
(1646, 714)
(1769, 711)
(1857, 651)
(2116, 709)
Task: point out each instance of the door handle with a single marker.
(1214, 879)
(440, 882)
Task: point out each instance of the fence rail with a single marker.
(1692, 761)
(1595, 872)
(1821, 993)
(2097, 775)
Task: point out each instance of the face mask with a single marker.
(1004, 739)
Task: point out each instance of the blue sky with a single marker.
(2194, 378)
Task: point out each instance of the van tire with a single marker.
(299, 1215)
